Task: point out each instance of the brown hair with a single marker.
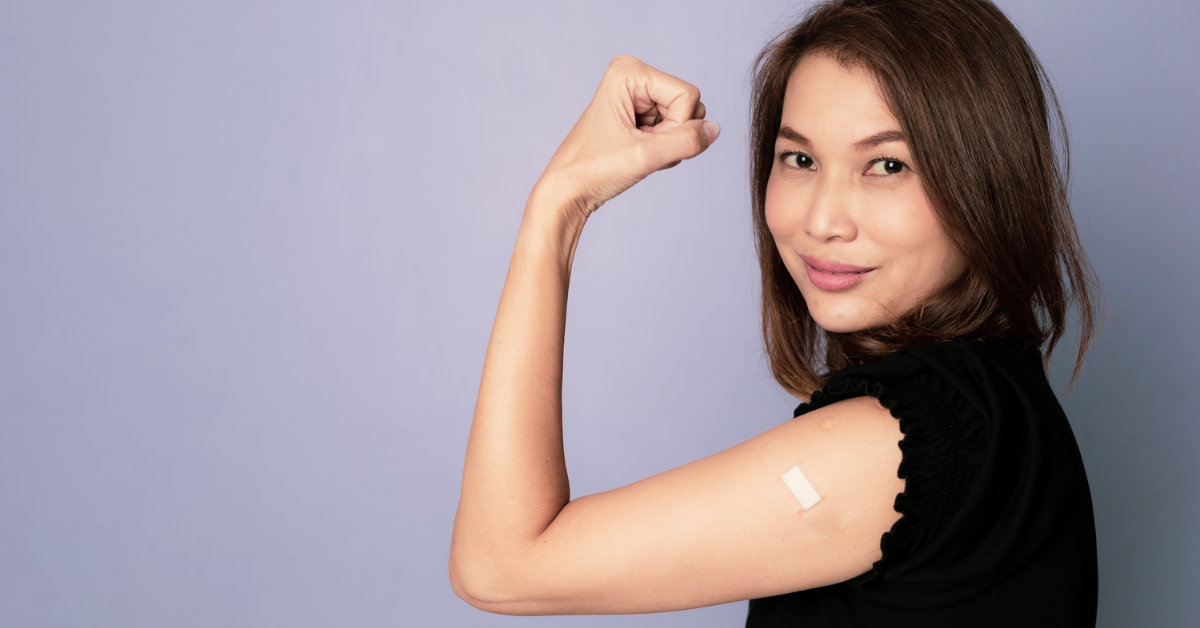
(981, 120)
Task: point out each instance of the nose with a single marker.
(829, 215)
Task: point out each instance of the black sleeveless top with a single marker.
(996, 526)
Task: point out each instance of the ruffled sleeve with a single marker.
(981, 498)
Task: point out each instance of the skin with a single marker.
(719, 529)
(831, 198)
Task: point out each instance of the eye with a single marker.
(885, 166)
(797, 160)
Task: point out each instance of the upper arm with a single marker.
(719, 529)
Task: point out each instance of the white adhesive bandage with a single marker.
(785, 463)
(781, 459)
(800, 487)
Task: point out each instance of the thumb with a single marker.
(685, 141)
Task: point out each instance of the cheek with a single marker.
(932, 245)
(776, 210)
(922, 248)
(903, 221)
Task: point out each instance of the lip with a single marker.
(833, 276)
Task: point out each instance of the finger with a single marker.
(652, 90)
(663, 150)
(679, 99)
(654, 117)
(651, 117)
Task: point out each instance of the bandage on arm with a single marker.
(778, 454)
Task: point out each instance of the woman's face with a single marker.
(848, 214)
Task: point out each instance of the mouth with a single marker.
(833, 276)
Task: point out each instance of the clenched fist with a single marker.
(639, 122)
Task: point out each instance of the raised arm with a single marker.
(719, 529)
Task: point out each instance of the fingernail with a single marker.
(712, 130)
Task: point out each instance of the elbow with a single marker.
(470, 587)
(484, 586)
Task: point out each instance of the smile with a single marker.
(833, 276)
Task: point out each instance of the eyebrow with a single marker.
(883, 137)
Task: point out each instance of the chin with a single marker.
(842, 312)
(840, 327)
(844, 315)
(840, 322)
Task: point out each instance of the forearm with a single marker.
(515, 477)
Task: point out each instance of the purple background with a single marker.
(250, 254)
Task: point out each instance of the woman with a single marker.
(913, 234)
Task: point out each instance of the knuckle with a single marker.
(622, 65)
(622, 61)
(613, 68)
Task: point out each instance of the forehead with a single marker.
(828, 100)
